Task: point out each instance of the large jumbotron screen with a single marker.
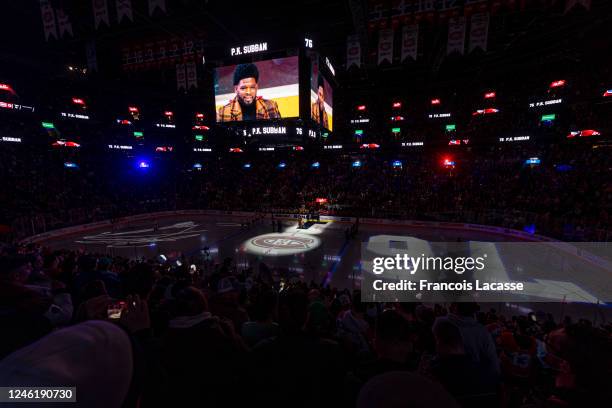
(260, 90)
(321, 98)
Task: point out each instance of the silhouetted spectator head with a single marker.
(95, 357)
(188, 301)
(15, 268)
(394, 337)
(139, 280)
(448, 338)
(401, 389)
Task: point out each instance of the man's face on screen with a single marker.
(246, 90)
(321, 94)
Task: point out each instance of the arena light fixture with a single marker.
(133, 109)
(397, 105)
(48, 125)
(71, 165)
(436, 101)
(78, 101)
(315, 165)
(169, 113)
(361, 108)
(451, 127)
(490, 95)
(396, 164)
(396, 130)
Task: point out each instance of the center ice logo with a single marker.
(281, 242)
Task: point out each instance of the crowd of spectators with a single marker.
(207, 334)
(567, 195)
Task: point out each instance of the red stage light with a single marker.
(557, 84)
(78, 101)
(168, 113)
(397, 105)
(321, 200)
(200, 127)
(435, 101)
(235, 150)
(486, 111)
(490, 95)
(6, 87)
(298, 148)
(361, 108)
(133, 109)
(608, 93)
(583, 133)
(369, 146)
(200, 115)
(448, 161)
(59, 143)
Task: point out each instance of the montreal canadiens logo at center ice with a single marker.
(281, 244)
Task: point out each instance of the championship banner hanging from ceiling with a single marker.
(401, 12)
(100, 12)
(385, 46)
(63, 22)
(479, 31)
(353, 51)
(124, 9)
(48, 19)
(410, 41)
(181, 78)
(165, 52)
(456, 36)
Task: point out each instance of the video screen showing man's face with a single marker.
(321, 98)
(257, 91)
(321, 94)
(246, 90)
